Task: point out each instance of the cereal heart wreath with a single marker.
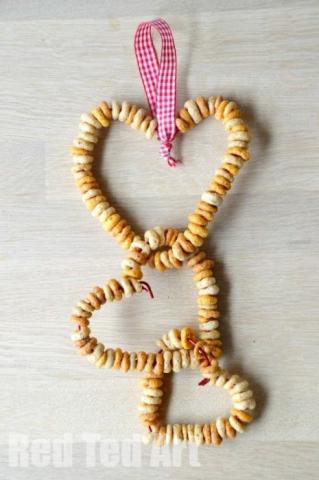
(176, 349)
(191, 115)
(213, 432)
(164, 248)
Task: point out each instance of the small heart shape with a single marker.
(189, 350)
(211, 433)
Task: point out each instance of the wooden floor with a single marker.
(58, 59)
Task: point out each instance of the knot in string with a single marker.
(165, 151)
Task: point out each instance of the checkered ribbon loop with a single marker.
(159, 80)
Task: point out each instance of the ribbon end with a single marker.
(172, 162)
(165, 151)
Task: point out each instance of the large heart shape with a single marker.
(193, 113)
(213, 432)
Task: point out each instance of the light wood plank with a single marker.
(60, 58)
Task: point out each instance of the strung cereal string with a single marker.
(164, 248)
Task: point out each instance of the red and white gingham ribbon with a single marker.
(159, 80)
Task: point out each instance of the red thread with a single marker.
(203, 382)
(147, 288)
(200, 349)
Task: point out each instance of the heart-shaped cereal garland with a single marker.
(161, 248)
(192, 114)
(163, 361)
(214, 432)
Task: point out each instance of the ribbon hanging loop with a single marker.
(159, 80)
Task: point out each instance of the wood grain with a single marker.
(59, 59)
